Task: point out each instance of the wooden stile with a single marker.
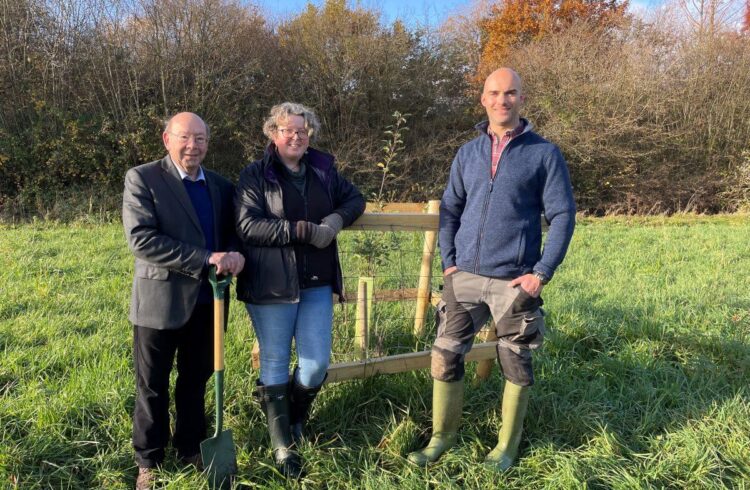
(409, 219)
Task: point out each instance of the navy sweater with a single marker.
(201, 199)
(492, 226)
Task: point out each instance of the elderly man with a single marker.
(179, 220)
(490, 241)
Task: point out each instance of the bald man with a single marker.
(179, 220)
(490, 243)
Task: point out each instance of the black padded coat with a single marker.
(267, 236)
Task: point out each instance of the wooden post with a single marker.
(425, 273)
(256, 354)
(370, 293)
(361, 335)
(484, 367)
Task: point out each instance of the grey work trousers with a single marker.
(470, 299)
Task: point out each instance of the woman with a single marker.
(290, 206)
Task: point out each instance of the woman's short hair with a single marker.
(281, 112)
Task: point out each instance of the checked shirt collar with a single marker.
(499, 144)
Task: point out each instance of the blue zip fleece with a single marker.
(492, 226)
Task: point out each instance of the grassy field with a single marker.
(642, 382)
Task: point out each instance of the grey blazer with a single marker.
(165, 236)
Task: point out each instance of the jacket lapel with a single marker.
(172, 178)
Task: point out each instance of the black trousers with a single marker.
(154, 353)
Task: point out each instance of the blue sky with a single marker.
(413, 12)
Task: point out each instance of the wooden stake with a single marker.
(425, 273)
(484, 368)
(362, 331)
(256, 355)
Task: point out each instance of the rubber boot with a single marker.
(447, 403)
(514, 405)
(274, 401)
(301, 398)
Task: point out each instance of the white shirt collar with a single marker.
(184, 175)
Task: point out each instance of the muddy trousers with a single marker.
(470, 300)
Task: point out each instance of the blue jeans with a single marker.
(309, 322)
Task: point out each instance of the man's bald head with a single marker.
(507, 76)
(502, 97)
(186, 139)
(182, 117)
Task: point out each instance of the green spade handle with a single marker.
(219, 284)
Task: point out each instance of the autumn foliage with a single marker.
(513, 23)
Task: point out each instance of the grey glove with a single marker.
(335, 221)
(320, 236)
(325, 233)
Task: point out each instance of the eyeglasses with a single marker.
(290, 133)
(199, 140)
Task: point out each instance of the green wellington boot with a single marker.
(515, 402)
(447, 403)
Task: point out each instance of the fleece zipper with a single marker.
(483, 217)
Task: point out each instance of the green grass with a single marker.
(642, 381)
